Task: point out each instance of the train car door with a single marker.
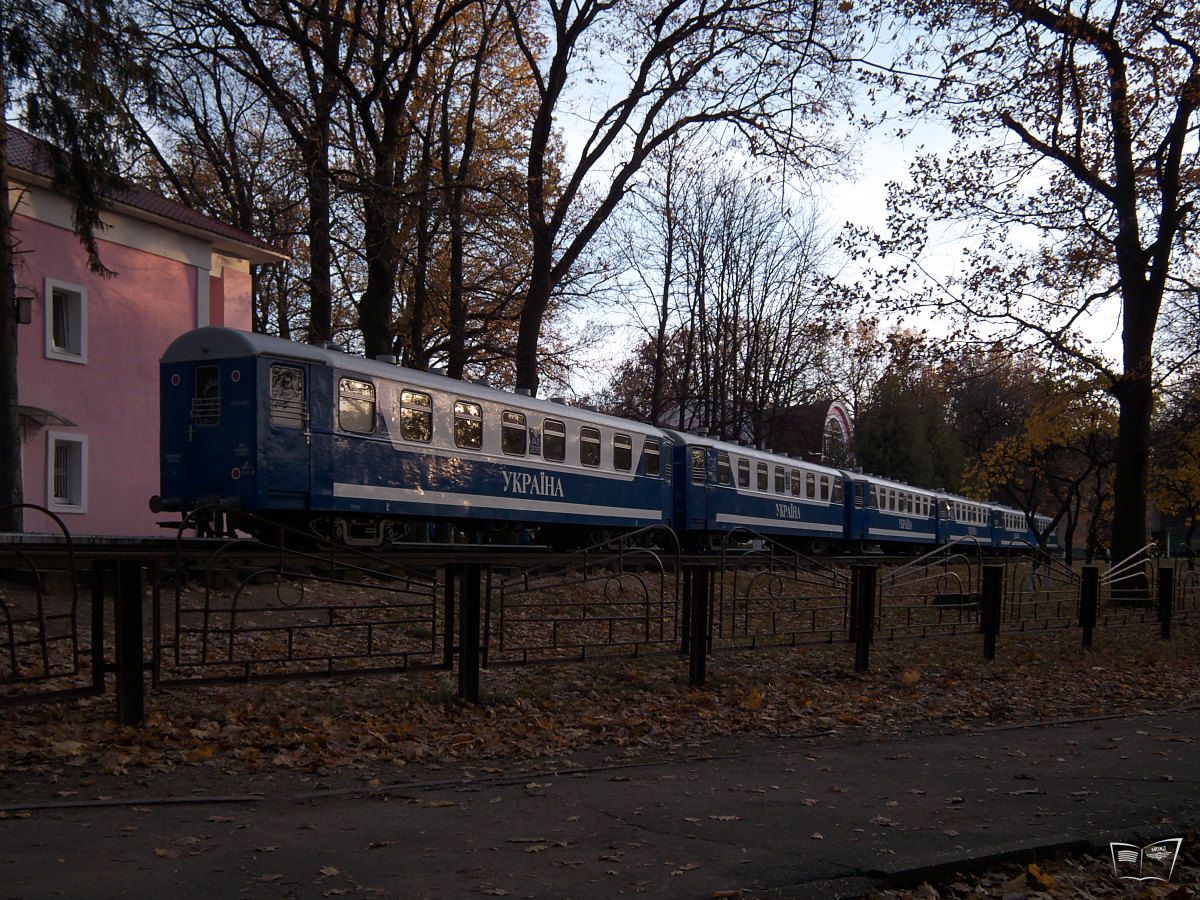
(287, 437)
(856, 511)
(698, 487)
(208, 431)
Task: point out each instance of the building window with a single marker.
(66, 472)
(554, 440)
(356, 406)
(468, 425)
(589, 446)
(622, 452)
(514, 436)
(66, 321)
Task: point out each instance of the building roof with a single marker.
(33, 156)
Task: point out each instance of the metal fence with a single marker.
(51, 646)
(254, 611)
(288, 605)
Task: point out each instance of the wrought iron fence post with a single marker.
(1089, 602)
(154, 569)
(863, 606)
(685, 629)
(127, 626)
(1166, 599)
(992, 594)
(98, 665)
(701, 589)
(468, 656)
(452, 571)
(852, 630)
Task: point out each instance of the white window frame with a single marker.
(52, 350)
(53, 503)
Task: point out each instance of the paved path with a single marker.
(765, 816)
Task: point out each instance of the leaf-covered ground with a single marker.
(365, 727)
(1075, 876)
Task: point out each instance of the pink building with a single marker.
(88, 357)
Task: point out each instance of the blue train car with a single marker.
(963, 520)
(275, 427)
(1011, 529)
(721, 486)
(890, 513)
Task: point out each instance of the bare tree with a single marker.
(1077, 125)
(761, 68)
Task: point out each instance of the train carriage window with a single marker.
(206, 401)
(468, 425)
(837, 491)
(554, 440)
(874, 503)
(810, 485)
(287, 397)
(724, 473)
(762, 476)
(416, 416)
(652, 454)
(514, 436)
(908, 503)
(699, 472)
(779, 480)
(356, 406)
(797, 483)
(589, 446)
(744, 473)
(622, 452)
(891, 497)
(825, 488)
(858, 496)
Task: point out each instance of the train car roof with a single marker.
(215, 342)
(891, 483)
(750, 452)
(961, 499)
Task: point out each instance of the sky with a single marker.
(858, 198)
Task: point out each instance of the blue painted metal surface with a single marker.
(257, 423)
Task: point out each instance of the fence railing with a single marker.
(289, 605)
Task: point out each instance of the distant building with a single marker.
(88, 356)
(821, 431)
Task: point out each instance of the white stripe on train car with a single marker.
(896, 532)
(476, 501)
(760, 520)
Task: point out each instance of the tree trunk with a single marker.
(457, 325)
(10, 421)
(320, 287)
(375, 305)
(537, 300)
(1135, 399)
